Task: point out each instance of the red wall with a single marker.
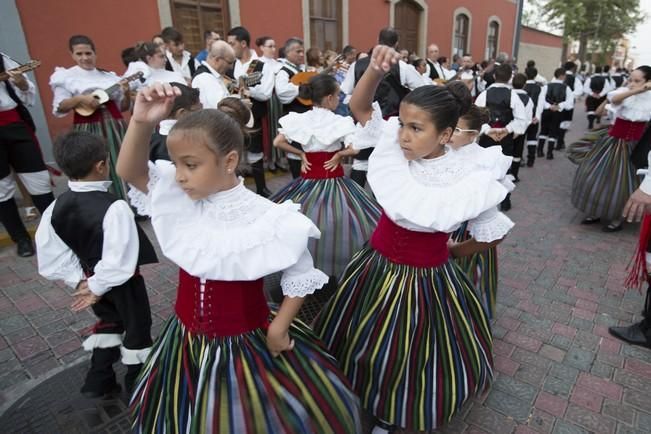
(112, 25)
(367, 18)
(280, 19)
(537, 37)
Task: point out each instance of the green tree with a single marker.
(593, 21)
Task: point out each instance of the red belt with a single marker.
(317, 171)
(10, 116)
(221, 308)
(402, 246)
(627, 130)
(110, 105)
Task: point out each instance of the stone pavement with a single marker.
(557, 369)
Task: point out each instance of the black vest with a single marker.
(489, 76)
(168, 66)
(433, 73)
(525, 98)
(498, 103)
(77, 219)
(158, 147)
(24, 113)
(295, 106)
(202, 69)
(556, 93)
(618, 79)
(597, 83)
(390, 91)
(258, 108)
(570, 81)
(533, 90)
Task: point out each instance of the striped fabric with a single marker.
(605, 179)
(112, 130)
(577, 151)
(414, 342)
(345, 214)
(481, 268)
(232, 385)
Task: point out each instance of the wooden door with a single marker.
(193, 17)
(407, 24)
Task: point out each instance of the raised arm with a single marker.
(617, 97)
(361, 103)
(153, 104)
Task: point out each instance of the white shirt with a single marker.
(409, 78)
(152, 75)
(519, 123)
(285, 89)
(317, 130)
(636, 108)
(527, 108)
(183, 68)
(120, 248)
(66, 83)
(211, 87)
(439, 69)
(568, 104)
(540, 105)
(608, 85)
(262, 91)
(578, 86)
(478, 85)
(274, 63)
(27, 96)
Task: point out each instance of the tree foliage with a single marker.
(597, 22)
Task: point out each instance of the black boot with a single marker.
(639, 333)
(42, 201)
(531, 155)
(591, 119)
(506, 203)
(550, 150)
(515, 169)
(10, 219)
(560, 144)
(257, 170)
(100, 379)
(131, 376)
(541, 148)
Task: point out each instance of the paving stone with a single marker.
(639, 400)
(30, 347)
(531, 374)
(619, 412)
(579, 358)
(541, 421)
(508, 405)
(586, 398)
(552, 353)
(551, 404)
(557, 386)
(490, 420)
(605, 388)
(592, 421)
(562, 342)
(643, 420)
(602, 370)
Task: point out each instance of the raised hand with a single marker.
(383, 57)
(154, 103)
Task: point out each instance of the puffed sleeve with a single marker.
(140, 200)
(59, 89)
(491, 225)
(302, 278)
(369, 135)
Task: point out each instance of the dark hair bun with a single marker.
(646, 71)
(305, 91)
(461, 94)
(237, 110)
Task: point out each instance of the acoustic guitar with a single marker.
(302, 78)
(31, 65)
(103, 95)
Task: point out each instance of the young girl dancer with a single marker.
(482, 266)
(344, 213)
(405, 324)
(606, 178)
(69, 86)
(223, 363)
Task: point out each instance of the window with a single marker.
(492, 40)
(193, 17)
(324, 24)
(461, 30)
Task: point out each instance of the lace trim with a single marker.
(244, 211)
(491, 228)
(303, 284)
(142, 201)
(369, 135)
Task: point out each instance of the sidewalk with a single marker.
(557, 369)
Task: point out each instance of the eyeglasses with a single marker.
(269, 46)
(458, 130)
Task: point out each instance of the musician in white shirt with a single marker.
(209, 78)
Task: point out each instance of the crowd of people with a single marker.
(411, 257)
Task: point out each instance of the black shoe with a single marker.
(505, 205)
(559, 147)
(530, 162)
(25, 248)
(632, 334)
(612, 228)
(107, 392)
(540, 153)
(590, 220)
(550, 156)
(265, 192)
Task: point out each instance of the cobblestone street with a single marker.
(557, 368)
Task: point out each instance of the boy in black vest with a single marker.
(178, 58)
(507, 116)
(535, 92)
(89, 239)
(519, 80)
(558, 100)
(576, 87)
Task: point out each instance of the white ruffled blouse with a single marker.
(69, 82)
(231, 235)
(636, 108)
(438, 194)
(318, 130)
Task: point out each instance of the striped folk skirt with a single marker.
(414, 342)
(605, 179)
(112, 130)
(343, 211)
(232, 385)
(577, 151)
(481, 268)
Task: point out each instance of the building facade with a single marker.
(42, 27)
(543, 47)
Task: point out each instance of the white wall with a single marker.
(547, 58)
